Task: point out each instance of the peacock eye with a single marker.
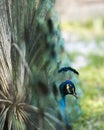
(68, 88)
(70, 85)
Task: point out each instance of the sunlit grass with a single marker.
(86, 30)
(91, 76)
(92, 103)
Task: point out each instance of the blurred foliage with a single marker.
(92, 75)
(92, 84)
(92, 102)
(97, 60)
(86, 30)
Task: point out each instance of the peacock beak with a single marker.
(75, 95)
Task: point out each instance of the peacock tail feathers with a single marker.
(31, 48)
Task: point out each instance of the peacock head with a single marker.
(67, 87)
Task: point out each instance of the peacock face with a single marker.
(71, 89)
(68, 87)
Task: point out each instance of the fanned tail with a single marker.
(30, 51)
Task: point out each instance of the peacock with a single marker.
(37, 83)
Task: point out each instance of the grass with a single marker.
(92, 103)
(91, 76)
(86, 30)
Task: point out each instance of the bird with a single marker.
(31, 48)
(67, 87)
